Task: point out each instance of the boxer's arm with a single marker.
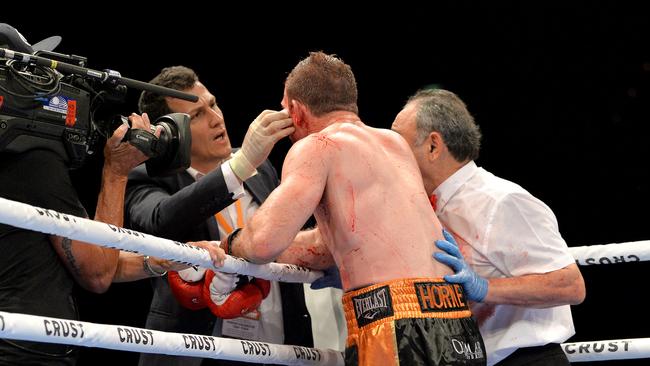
(276, 223)
(308, 249)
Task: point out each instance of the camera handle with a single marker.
(144, 140)
(110, 76)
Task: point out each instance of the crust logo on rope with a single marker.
(54, 214)
(135, 336)
(296, 268)
(63, 328)
(309, 354)
(609, 260)
(255, 348)
(374, 305)
(201, 343)
(118, 229)
(439, 296)
(596, 347)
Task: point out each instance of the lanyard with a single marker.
(224, 224)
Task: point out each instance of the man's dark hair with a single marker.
(444, 112)
(174, 77)
(324, 83)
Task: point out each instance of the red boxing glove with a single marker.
(187, 287)
(227, 299)
(263, 285)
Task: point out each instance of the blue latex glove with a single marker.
(332, 278)
(475, 286)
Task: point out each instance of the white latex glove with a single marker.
(267, 129)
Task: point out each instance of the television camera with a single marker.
(50, 100)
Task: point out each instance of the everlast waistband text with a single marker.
(373, 305)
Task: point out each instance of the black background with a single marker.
(561, 94)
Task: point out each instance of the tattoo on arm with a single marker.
(67, 249)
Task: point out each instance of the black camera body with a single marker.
(60, 123)
(41, 108)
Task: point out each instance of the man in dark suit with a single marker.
(197, 204)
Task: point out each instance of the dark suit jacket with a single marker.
(181, 209)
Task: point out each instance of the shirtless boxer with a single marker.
(365, 189)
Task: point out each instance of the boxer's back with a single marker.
(375, 215)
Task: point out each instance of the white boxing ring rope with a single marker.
(35, 328)
(35, 218)
(63, 331)
(634, 251)
(614, 349)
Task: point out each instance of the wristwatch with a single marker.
(147, 268)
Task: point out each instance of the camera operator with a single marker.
(38, 271)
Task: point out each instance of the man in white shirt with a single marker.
(522, 277)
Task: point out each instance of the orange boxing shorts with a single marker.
(414, 321)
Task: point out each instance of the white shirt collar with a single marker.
(197, 174)
(450, 186)
(194, 173)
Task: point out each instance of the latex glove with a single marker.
(267, 129)
(331, 278)
(475, 286)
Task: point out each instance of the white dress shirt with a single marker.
(503, 231)
(327, 317)
(269, 327)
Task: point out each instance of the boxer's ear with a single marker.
(298, 112)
